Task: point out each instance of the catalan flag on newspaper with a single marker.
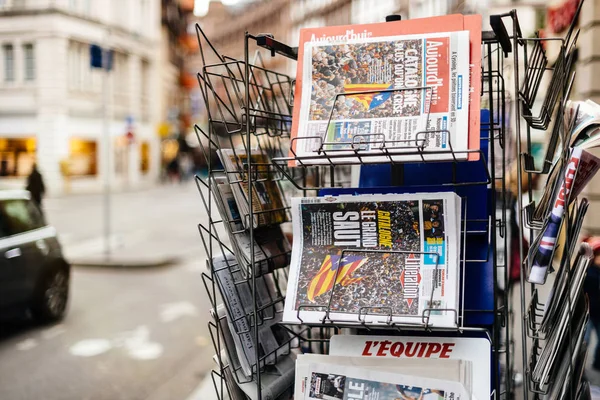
(369, 100)
(323, 281)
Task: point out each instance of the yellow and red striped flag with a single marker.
(323, 281)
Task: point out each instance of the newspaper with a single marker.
(475, 350)
(330, 382)
(562, 288)
(267, 201)
(376, 259)
(586, 132)
(570, 373)
(580, 169)
(270, 246)
(568, 335)
(277, 380)
(237, 298)
(383, 94)
(452, 370)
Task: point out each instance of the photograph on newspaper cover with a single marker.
(335, 386)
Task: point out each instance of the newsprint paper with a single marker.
(413, 348)
(362, 236)
(340, 381)
(424, 86)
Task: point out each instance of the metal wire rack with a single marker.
(250, 107)
(545, 344)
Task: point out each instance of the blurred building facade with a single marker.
(51, 100)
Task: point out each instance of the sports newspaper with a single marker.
(375, 258)
(330, 382)
(385, 94)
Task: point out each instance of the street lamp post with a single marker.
(102, 58)
(106, 137)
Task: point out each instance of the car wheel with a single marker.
(50, 303)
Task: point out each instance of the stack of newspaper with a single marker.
(270, 246)
(375, 259)
(236, 321)
(390, 368)
(404, 91)
(562, 356)
(267, 202)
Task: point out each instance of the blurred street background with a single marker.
(137, 333)
(136, 328)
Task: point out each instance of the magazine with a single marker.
(375, 259)
(475, 350)
(271, 248)
(330, 382)
(237, 298)
(580, 169)
(374, 77)
(586, 132)
(267, 201)
(451, 370)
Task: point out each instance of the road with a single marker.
(129, 334)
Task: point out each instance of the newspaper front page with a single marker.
(413, 349)
(346, 259)
(332, 382)
(359, 92)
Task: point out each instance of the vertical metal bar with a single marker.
(251, 211)
(492, 164)
(108, 150)
(506, 238)
(513, 14)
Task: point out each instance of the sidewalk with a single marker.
(152, 227)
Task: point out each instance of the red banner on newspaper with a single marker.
(437, 72)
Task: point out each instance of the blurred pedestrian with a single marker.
(35, 185)
(174, 170)
(591, 286)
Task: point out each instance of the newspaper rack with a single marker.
(250, 106)
(529, 54)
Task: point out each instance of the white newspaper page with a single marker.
(476, 350)
(331, 382)
(392, 89)
(453, 370)
(375, 258)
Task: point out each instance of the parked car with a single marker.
(34, 275)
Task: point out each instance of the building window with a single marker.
(82, 157)
(17, 156)
(29, 54)
(144, 90)
(145, 157)
(9, 63)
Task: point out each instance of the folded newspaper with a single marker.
(586, 133)
(384, 95)
(375, 259)
(477, 351)
(270, 246)
(277, 381)
(576, 174)
(237, 297)
(267, 201)
(348, 378)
